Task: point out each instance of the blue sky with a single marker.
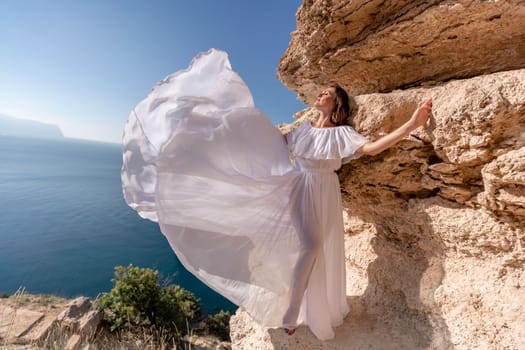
(85, 64)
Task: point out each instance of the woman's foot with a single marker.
(289, 331)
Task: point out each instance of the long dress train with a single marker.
(211, 169)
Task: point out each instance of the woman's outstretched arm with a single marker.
(419, 118)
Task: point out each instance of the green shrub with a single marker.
(178, 309)
(137, 300)
(217, 325)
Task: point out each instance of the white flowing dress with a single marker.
(264, 231)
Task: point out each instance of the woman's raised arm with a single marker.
(419, 118)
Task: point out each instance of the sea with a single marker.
(64, 224)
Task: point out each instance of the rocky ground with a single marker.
(31, 322)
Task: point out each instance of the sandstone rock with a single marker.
(247, 334)
(77, 308)
(378, 46)
(14, 322)
(41, 331)
(504, 183)
(73, 343)
(89, 324)
(435, 224)
(435, 228)
(205, 343)
(475, 122)
(361, 330)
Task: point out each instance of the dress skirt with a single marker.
(264, 231)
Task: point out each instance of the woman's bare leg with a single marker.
(301, 275)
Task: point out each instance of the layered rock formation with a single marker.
(377, 46)
(435, 237)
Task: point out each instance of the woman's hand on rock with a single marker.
(421, 114)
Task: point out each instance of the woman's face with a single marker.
(325, 100)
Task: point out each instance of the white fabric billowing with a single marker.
(208, 88)
(216, 175)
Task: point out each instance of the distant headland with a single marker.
(11, 126)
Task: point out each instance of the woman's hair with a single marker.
(341, 112)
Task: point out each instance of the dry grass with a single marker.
(37, 302)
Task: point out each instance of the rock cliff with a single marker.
(10, 126)
(435, 227)
(377, 46)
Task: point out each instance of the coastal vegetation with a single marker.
(141, 311)
(140, 301)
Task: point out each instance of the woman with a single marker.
(213, 171)
(319, 149)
